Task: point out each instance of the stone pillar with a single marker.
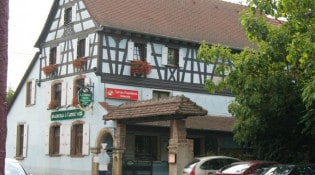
(119, 148)
(94, 151)
(179, 145)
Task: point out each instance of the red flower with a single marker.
(49, 69)
(140, 67)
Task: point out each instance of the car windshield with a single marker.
(279, 170)
(238, 168)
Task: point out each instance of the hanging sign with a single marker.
(85, 97)
(65, 115)
(121, 94)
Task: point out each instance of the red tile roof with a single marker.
(211, 123)
(154, 110)
(214, 21)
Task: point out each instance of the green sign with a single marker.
(65, 115)
(85, 97)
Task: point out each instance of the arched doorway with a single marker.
(105, 135)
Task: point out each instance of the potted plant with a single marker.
(79, 62)
(53, 104)
(51, 68)
(140, 67)
(75, 101)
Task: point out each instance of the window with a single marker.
(172, 56)
(139, 52)
(160, 94)
(53, 55)
(77, 140)
(68, 16)
(54, 140)
(146, 147)
(21, 140)
(81, 48)
(78, 84)
(56, 95)
(28, 92)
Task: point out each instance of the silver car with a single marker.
(13, 167)
(207, 165)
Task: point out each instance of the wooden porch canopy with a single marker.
(169, 108)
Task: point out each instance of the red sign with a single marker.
(121, 94)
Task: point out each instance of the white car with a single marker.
(207, 165)
(13, 167)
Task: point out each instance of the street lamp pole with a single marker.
(4, 18)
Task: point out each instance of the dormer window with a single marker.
(68, 16)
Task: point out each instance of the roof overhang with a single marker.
(169, 108)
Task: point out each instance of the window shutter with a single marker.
(131, 45)
(87, 47)
(181, 57)
(71, 92)
(65, 139)
(62, 17)
(87, 81)
(58, 54)
(33, 92)
(63, 94)
(25, 140)
(149, 53)
(75, 48)
(47, 57)
(49, 98)
(86, 139)
(74, 13)
(164, 55)
(47, 142)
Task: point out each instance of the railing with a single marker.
(141, 165)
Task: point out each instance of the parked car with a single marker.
(207, 165)
(290, 169)
(245, 168)
(13, 167)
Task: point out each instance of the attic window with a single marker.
(160, 94)
(68, 16)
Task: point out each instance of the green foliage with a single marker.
(10, 94)
(274, 82)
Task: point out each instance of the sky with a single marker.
(26, 21)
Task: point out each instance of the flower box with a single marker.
(53, 104)
(80, 62)
(140, 67)
(52, 68)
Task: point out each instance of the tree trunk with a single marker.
(4, 15)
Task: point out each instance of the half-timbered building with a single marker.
(125, 73)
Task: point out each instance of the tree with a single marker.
(10, 94)
(273, 82)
